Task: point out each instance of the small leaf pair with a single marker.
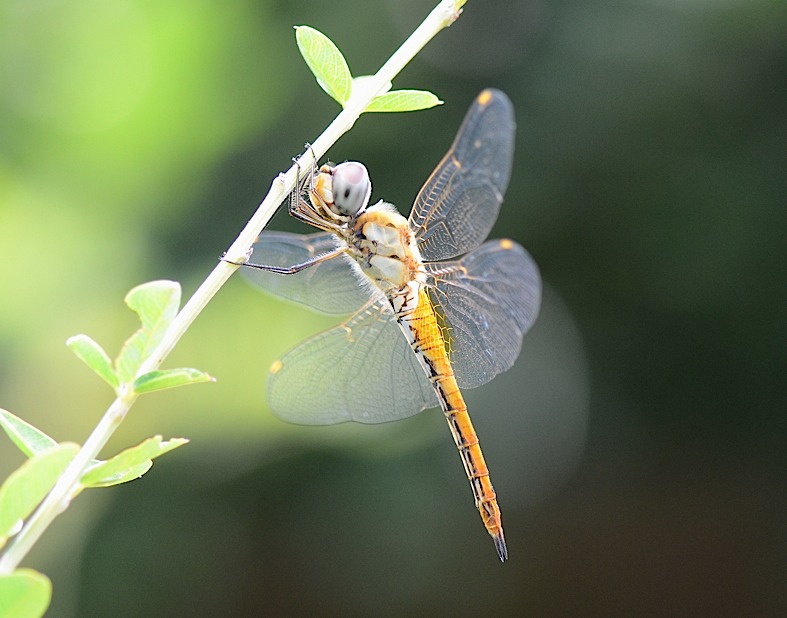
(333, 75)
(156, 303)
(47, 459)
(26, 593)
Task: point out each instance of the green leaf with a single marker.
(169, 378)
(93, 356)
(31, 441)
(30, 483)
(157, 304)
(403, 101)
(108, 478)
(25, 593)
(326, 62)
(129, 464)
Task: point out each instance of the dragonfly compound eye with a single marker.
(351, 188)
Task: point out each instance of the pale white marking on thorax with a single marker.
(384, 247)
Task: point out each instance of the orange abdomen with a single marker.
(431, 347)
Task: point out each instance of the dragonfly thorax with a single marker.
(385, 249)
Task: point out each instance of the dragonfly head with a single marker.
(344, 189)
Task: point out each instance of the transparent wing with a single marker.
(489, 299)
(362, 370)
(330, 286)
(458, 205)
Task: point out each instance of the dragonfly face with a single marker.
(336, 194)
(434, 309)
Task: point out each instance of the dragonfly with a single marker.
(435, 309)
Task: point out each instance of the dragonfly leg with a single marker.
(302, 182)
(291, 270)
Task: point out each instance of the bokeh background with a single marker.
(638, 446)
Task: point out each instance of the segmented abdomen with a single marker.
(426, 335)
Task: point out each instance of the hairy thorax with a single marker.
(384, 247)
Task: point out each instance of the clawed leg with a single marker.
(291, 270)
(301, 184)
(299, 208)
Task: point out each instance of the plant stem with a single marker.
(67, 486)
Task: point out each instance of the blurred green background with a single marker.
(638, 446)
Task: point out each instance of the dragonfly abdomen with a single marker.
(429, 345)
(467, 444)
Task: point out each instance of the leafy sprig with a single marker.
(156, 303)
(333, 75)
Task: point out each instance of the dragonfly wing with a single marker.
(458, 204)
(489, 299)
(331, 286)
(362, 370)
